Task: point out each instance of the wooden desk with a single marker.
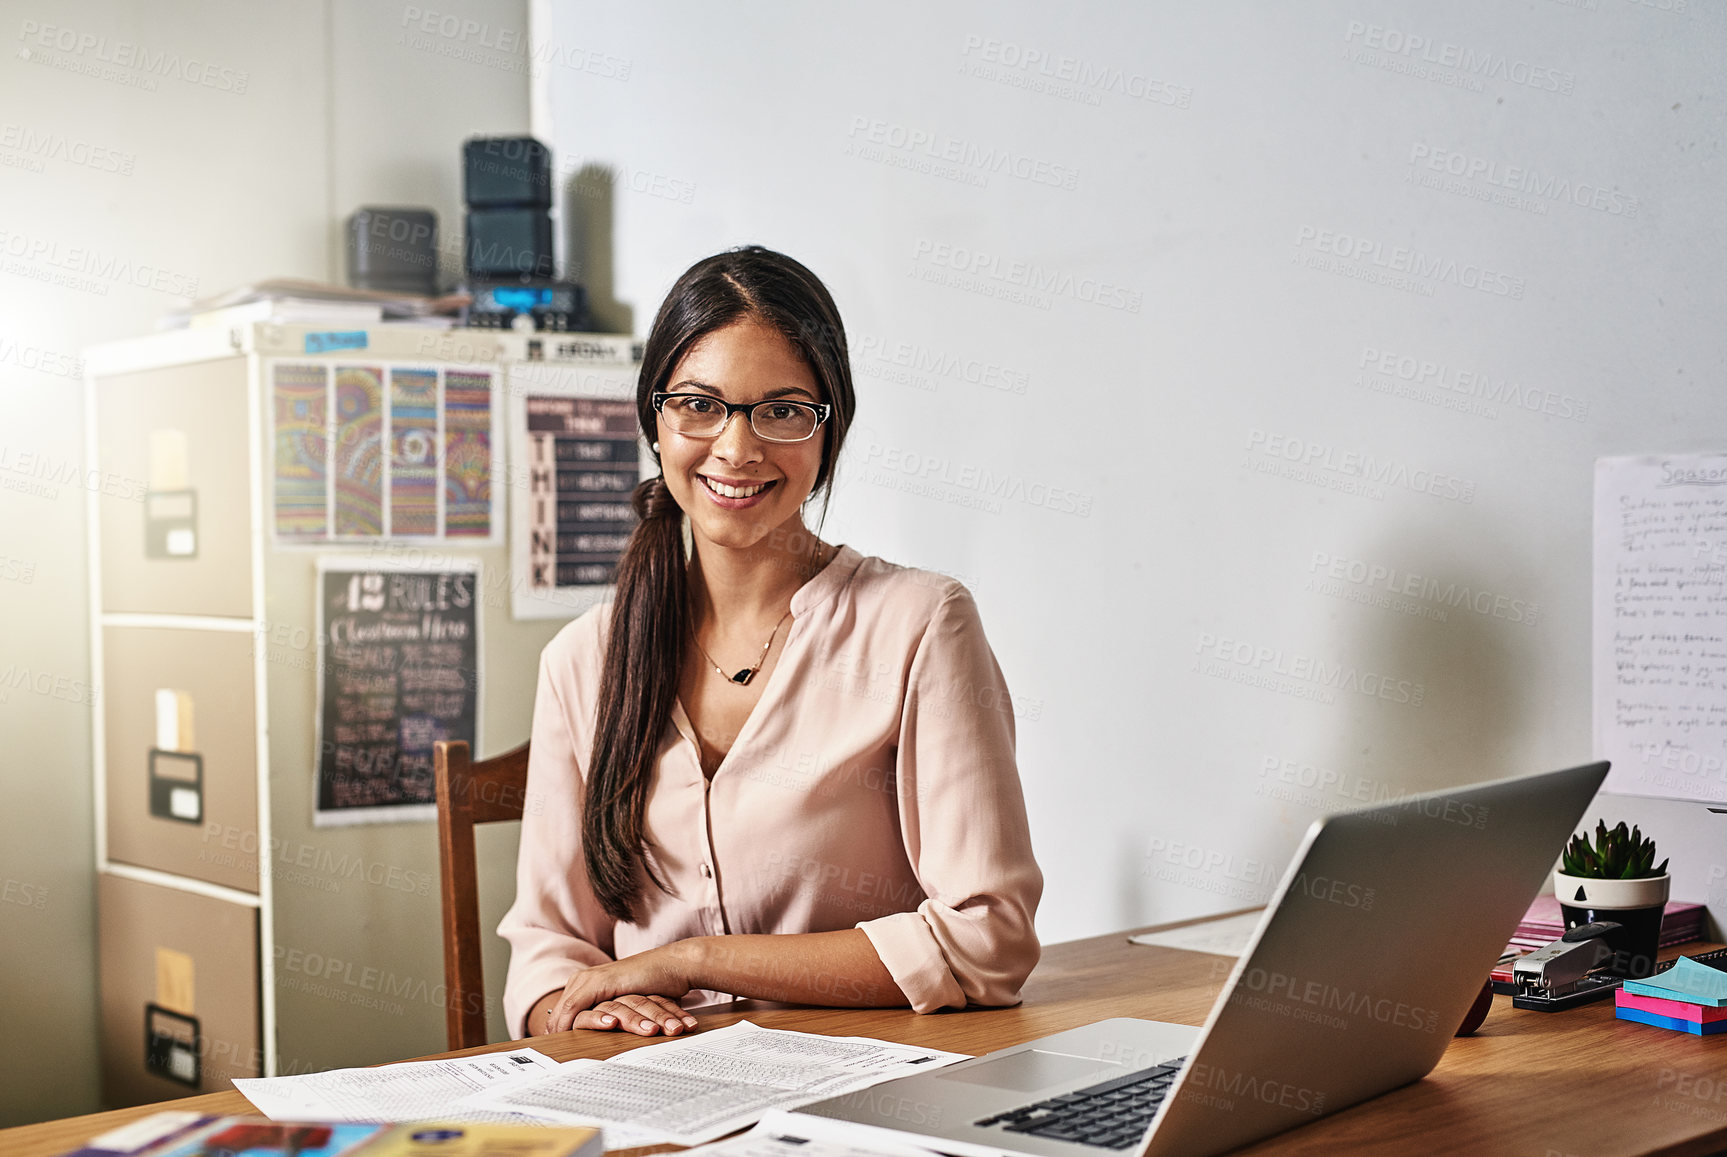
(1531, 1084)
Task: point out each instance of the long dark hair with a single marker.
(650, 627)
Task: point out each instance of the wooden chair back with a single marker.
(490, 791)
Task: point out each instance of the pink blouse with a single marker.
(872, 786)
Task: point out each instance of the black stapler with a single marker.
(1572, 970)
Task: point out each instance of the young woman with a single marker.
(771, 767)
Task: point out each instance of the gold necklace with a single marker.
(748, 673)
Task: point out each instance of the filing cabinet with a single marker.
(224, 463)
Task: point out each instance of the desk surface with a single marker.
(1532, 1084)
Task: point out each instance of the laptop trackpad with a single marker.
(1028, 1071)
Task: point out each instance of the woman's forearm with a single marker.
(836, 969)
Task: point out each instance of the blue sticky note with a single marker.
(1688, 981)
(324, 341)
(1643, 1016)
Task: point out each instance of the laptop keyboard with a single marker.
(1113, 1115)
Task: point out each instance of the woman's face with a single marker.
(766, 483)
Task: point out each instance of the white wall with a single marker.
(1131, 521)
(233, 154)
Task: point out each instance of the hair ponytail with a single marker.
(644, 653)
(650, 625)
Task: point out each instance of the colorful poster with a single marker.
(299, 396)
(384, 451)
(467, 454)
(398, 670)
(413, 452)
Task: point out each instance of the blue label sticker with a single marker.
(325, 341)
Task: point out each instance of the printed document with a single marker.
(695, 1089)
(410, 1091)
(1225, 937)
(783, 1134)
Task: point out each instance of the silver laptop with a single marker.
(1376, 943)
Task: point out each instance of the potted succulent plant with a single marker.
(1616, 879)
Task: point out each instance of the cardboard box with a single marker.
(181, 752)
(175, 489)
(178, 977)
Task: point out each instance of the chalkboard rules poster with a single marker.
(398, 670)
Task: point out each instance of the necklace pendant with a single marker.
(744, 676)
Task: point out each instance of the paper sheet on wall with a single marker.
(1660, 624)
(376, 451)
(695, 1089)
(577, 454)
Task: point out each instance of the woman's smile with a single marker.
(735, 495)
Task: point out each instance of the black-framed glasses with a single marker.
(772, 419)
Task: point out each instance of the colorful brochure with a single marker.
(184, 1134)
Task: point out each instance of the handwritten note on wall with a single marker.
(1660, 652)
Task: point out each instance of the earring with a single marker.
(656, 447)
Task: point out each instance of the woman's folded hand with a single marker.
(637, 994)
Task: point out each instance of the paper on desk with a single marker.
(410, 1091)
(695, 1089)
(783, 1134)
(1226, 937)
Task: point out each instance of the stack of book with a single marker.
(1689, 997)
(292, 301)
(1681, 923)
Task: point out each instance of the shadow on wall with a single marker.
(1134, 903)
(589, 215)
(1444, 677)
(1420, 677)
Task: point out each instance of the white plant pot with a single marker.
(1582, 892)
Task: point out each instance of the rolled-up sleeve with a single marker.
(555, 926)
(962, 814)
